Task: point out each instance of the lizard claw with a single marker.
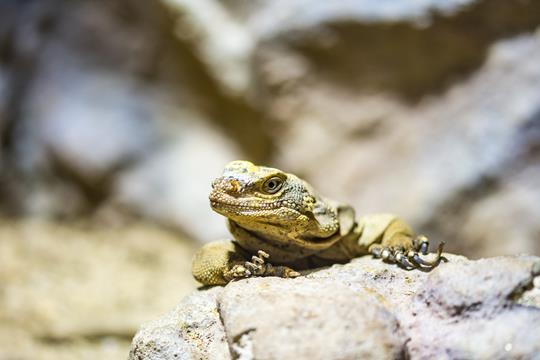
(402, 261)
(290, 273)
(237, 272)
(411, 259)
(416, 259)
(421, 244)
(257, 265)
(255, 268)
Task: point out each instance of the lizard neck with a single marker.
(281, 247)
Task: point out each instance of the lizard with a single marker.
(282, 226)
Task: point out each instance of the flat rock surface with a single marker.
(366, 309)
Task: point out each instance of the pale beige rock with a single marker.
(193, 330)
(364, 309)
(307, 319)
(474, 310)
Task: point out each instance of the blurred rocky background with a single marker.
(115, 115)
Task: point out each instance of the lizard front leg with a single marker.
(259, 267)
(399, 245)
(388, 237)
(220, 262)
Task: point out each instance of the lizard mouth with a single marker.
(227, 204)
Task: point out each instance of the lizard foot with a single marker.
(255, 267)
(411, 259)
(259, 267)
(237, 272)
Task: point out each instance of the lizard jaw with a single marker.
(250, 207)
(220, 200)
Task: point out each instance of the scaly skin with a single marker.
(277, 216)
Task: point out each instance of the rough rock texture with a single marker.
(293, 316)
(184, 333)
(482, 301)
(366, 309)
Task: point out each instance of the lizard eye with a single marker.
(272, 185)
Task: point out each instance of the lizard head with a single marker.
(272, 202)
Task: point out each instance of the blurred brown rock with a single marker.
(425, 108)
(429, 110)
(110, 91)
(81, 292)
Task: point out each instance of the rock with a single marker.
(118, 119)
(105, 107)
(269, 19)
(518, 219)
(479, 298)
(326, 313)
(192, 330)
(172, 187)
(440, 95)
(221, 43)
(353, 45)
(364, 309)
(4, 87)
(80, 291)
(383, 96)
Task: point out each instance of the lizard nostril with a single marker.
(230, 186)
(234, 186)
